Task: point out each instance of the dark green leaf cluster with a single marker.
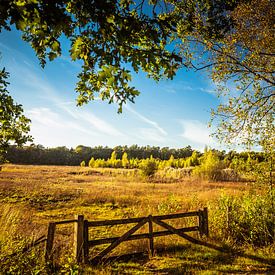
(108, 36)
(14, 126)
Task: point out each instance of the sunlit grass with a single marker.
(32, 196)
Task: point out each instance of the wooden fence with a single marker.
(82, 242)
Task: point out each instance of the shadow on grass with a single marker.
(187, 259)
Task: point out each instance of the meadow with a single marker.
(32, 196)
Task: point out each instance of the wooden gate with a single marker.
(201, 227)
(82, 242)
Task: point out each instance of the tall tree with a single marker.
(233, 39)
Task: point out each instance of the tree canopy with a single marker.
(14, 126)
(232, 39)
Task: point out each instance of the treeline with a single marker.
(120, 156)
(37, 154)
(211, 165)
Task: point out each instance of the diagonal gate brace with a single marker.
(119, 240)
(185, 236)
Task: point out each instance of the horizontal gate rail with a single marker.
(202, 228)
(142, 236)
(82, 243)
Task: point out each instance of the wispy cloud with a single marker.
(174, 87)
(34, 80)
(209, 90)
(146, 120)
(52, 120)
(196, 132)
(151, 135)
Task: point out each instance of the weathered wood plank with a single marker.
(205, 225)
(151, 236)
(78, 237)
(115, 222)
(86, 242)
(142, 236)
(177, 215)
(185, 236)
(49, 243)
(135, 220)
(120, 240)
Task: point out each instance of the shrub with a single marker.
(148, 167)
(210, 167)
(248, 219)
(92, 162)
(82, 163)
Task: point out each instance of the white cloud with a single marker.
(210, 90)
(45, 90)
(150, 134)
(197, 132)
(100, 124)
(44, 117)
(52, 129)
(147, 120)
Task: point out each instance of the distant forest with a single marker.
(37, 154)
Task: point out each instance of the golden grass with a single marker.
(36, 195)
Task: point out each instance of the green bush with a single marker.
(210, 168)
(148, 167)
(248, 219)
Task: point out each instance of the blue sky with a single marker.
(169, 113)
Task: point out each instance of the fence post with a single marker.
(86, 242)
(49, 243)
(78, 237)
(201, 222)
(151, 237)
(205, 221)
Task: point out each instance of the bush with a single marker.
(148, 167)
(210, 167)
(248, 219)
(82, 163)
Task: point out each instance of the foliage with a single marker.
(233, 39)
(125, 161)
(246, 219)
(148, 167)
(82, 163)
(210, 167)
(115, 195)
(247, 58)
(14, 126)
(252, 166)
(37, 154)
(105, 35)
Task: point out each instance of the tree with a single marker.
(233, 39)
(14, 126)
(105, 35)
(125, 161)
(148, 167)
(210, 167)
(247, 57)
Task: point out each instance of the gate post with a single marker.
(205, 222)
(151, 236)
(49, 243)
(86, 242)
(78, 237)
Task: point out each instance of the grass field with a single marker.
(32, 196)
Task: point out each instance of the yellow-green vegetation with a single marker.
(240, 218)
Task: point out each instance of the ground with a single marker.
(33, 196)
